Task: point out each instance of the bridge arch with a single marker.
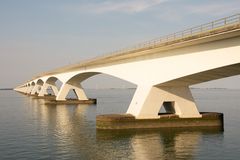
(74, 83)
(30, 87)
(49, 82)
(39, 82)
(52, 79)
(80, 77)
(32, 83)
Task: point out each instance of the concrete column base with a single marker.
(46, 97)
(31, 95)
(128, 121)
(72, 101)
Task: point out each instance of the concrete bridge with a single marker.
(162, 69)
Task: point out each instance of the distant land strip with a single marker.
(6, 88)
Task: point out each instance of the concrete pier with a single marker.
(72, 101)
(46, 97)
(208, 120)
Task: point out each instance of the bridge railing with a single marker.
(198, 30)
(207, 27)
(180, 35)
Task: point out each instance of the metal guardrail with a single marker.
(207, 27)
(201, 29)
(181, 35)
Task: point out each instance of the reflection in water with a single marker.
(68, 128)
(69, 132)
(71, 129)
(158, 144)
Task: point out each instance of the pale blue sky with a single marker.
(40, 35)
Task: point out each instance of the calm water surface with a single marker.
(29, 129)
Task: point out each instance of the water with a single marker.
(29, 129)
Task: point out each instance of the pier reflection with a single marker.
(159, 144)
(70, 131)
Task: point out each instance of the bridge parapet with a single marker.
(215, 27)
(220, 25)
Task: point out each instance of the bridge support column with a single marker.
(25, 90)
(146, 104)
(44, 88)
(54, 89)
(29, 90)
(35, 89)
(148, 101)
(77, 88)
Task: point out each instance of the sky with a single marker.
(41, 35)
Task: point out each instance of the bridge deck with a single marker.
(223, 28)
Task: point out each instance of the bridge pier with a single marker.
(29, 90)
(208, 121)
(79, 92)
(148, 100)
(65, 88)
(35, 89)
(44, 88)
(143, 112)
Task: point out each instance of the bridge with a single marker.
(163, 69)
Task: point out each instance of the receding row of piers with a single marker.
(50, 92)
(146, 103)
(181, 110)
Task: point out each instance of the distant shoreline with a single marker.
(5, 89)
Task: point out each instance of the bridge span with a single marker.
(162, 69)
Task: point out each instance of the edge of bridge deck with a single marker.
(215, 30)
